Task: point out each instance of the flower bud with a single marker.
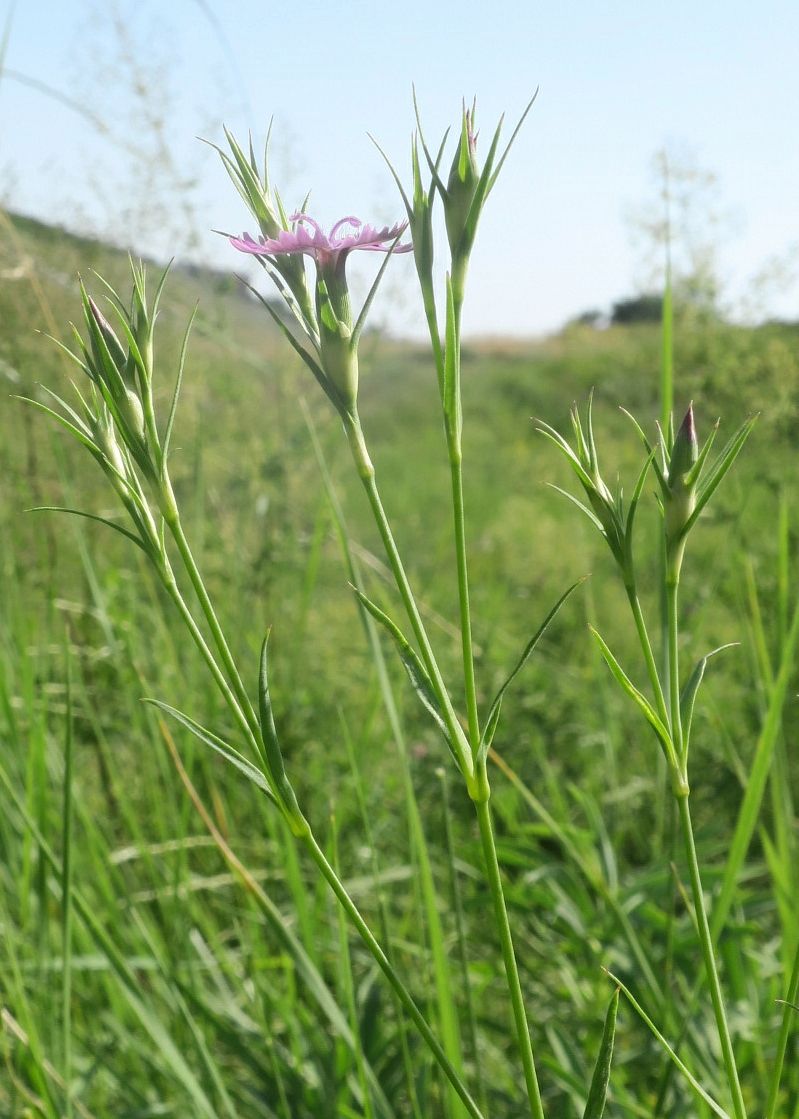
(685, 451)
(462, 184)
(142, 327)
(125, 394)
(132, 410)
(679, 499)
(105, 437)
(115, 349)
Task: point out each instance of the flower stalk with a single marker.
(679, 466)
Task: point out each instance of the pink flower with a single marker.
(327, 250)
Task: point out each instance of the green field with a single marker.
(198, 985)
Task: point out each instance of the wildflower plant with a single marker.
(116, 420)
(687, 480)
(334, 364)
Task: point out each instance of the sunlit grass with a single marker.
(205, 986)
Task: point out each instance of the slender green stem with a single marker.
(680, 782)
(788, 1015)
(456, 472)
(391, 975)
(673, 629)
(226, 656)
(649, 657)
(457, 903)
(709, 958)
(477, 782)
(429, 301)
(169, 582)
(452, 425)
(338, 888)
(509, 959)
(367, 474)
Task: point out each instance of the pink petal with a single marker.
(346, 221)
(301, 240)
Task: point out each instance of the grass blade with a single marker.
(595, 1105)
(716, 1108)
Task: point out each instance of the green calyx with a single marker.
(462, 184)
(679, 492)
(105, 438)
(338, 345)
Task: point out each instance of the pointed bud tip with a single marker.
(688, 427)
(684, 453)
(101, 320)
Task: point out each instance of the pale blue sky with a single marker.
(718, 80)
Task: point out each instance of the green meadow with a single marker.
(171, 952)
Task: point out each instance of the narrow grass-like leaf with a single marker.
(294, 342)
(405, 200)
(431, 163)
(78, 420)
(638, 698)
(274, 755)
(91, 517)
(593, 518)
(634, 500)
(756, 783)
(159, 290)
(38, 1069)
(719, 469)
(173, 407)
(65, 423)
(593, 457)
(237, 760)
(494, 710)
(688, 694)
(306, 324)
(598, 1094)
(510, 142)
(556, 438)
(367, 303)
(313, 365)
(111, 294)
(695, 473)
(417, 673)
(716, 1108)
